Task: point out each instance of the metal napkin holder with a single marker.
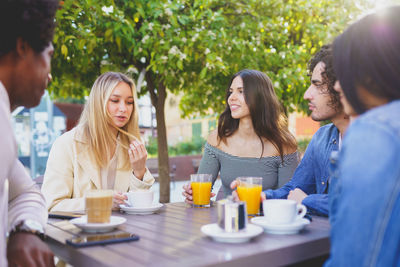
(232, 215)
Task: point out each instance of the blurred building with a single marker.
(302, 126)
(184, 129)
(35, 130)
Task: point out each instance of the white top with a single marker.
(71, 172)
(108, 173)
(24, 199)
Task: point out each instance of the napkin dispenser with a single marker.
(232, 216)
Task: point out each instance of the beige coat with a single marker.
(70, 173)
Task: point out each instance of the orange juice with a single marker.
(251, 194)
(201, 193)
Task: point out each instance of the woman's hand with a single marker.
(138, 156)
(235, 195)
(188, 193)
(118, 199)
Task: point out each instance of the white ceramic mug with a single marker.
(140, 198)
(282, 211)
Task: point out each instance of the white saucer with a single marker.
(141, 211)
(97, 227)
(281, 229)
(215, 232)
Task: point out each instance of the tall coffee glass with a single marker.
(98, 206)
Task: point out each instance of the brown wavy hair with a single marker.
(325, 55)
(266, 112)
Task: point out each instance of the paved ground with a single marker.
(176, 190)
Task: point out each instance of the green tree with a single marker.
(277, 37)
(190, 46)
(154, 39)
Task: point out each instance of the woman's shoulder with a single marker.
(270, 149)
(66, 139)
(62, 147)
(288, 150)
(67, 136)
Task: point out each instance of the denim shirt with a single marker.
(365, 192)
(312, 174)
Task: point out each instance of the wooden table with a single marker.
(172, 237)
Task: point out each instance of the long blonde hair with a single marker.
(95, 120)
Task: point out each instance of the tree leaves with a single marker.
(194, 46)
(64, 50)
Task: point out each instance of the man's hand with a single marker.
(297, 195)
(26, 249)
(235, 195)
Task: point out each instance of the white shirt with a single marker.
(24, 199)
(109, 172)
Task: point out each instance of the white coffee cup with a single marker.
(140, 198)
(282, 211)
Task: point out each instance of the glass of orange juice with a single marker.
(249, 190)
(201, 187)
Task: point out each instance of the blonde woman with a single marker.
(102, 152)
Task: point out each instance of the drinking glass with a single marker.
(249, 190)
(201, 188)
(98, 205)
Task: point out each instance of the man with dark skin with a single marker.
(26, 29)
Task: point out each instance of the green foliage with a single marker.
(302, 144)
(72, 100)
(277, 37)
(322, 123)
(194, 46)
(193, 147)
(152, 147)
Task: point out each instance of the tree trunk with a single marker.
(158, 96)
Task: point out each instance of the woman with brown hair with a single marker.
(252, 137)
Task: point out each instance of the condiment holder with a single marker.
(232, 215)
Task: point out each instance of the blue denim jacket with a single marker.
(312, 174)
(365, 192)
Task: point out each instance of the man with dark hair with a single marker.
(309, 183)
(26, 30)
(365, 182)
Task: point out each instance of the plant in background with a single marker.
(193, 147)
(302, 145)
(151, 147)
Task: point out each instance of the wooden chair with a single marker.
(196, 164)
(152, 165)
